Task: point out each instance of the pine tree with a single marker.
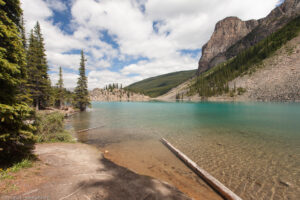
(60, 89)
(25, 95)
(23, 33)
(16, 136)
(81, 100)
(38, 81)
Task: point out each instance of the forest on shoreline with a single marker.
(25, 88)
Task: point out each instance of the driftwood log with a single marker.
(209, 179)
(88, 129)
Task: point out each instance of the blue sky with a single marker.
(128, 40)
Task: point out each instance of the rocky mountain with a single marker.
(116, 94)
(276, 79)
(227, 32)
(232, 35)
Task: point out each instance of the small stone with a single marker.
(285, 183)
(106, 151)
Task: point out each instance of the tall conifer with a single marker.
(16, 136)
(60, 88)
(38, 79)
(23, 33)
(82, 100)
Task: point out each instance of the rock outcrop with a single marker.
(233, 35)
(116, 95)
(276, 79)
(227, 32)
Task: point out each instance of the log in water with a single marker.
(213, 182)
(88, 129)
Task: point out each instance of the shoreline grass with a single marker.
(50, 128)
(8, 172)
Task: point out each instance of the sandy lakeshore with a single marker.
(155, 160)
(79, 171)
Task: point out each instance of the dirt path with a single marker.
(79, 171)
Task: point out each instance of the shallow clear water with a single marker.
(252, 148)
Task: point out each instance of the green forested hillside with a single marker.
(215, 81)
(159, 85)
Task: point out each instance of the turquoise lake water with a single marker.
(252, 148)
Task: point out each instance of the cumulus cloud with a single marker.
(98, 79)
(128, 40)
(69, 79)
(57, 5)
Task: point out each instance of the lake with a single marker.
(252, 148)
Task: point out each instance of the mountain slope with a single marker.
(233, 35)
(268, 71)
(277, 79)
(159, 85)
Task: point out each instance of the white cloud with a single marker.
(35, 11)
(191, 22)
(98, 79)
(68, 78)
(57, 5)
(70, 61)
(160, 66)
(183, 24)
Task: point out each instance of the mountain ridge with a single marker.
(158, 85)
(240, 35)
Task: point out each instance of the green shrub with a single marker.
(16, 134)
(241, 90)
(50, 128)
(6, 174)
(25, 163)
(231, 93)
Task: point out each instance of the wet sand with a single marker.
(152, 158)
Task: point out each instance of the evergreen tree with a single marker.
(82, 100)
(25, 95)
(38, 81)
(23, 33)
(16, 136)
(60, 89)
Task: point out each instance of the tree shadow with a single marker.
(125, 184)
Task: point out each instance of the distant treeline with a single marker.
(215, 81)
(113, 86)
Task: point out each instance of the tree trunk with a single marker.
(37, 104)
(60, 104)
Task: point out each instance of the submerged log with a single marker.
(209, 179)
(88, 129)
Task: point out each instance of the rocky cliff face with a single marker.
(227, 32)
(233, 35)
(116, 95)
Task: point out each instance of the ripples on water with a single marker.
(253, 149)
